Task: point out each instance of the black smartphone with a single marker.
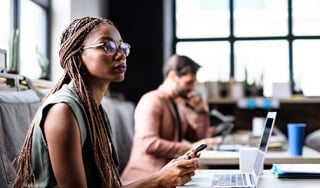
(200, 148)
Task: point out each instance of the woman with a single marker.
(70, 142)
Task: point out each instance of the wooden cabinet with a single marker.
(302, 110)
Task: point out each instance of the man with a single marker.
(168, 121)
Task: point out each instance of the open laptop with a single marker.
(223, 180)
(224, 130)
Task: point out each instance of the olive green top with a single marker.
(40, 159)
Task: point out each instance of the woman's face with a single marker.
(101, 64)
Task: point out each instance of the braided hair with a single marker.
(70, 60)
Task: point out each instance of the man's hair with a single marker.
(70, 60)
(180, 64)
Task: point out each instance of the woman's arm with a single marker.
(64, 144)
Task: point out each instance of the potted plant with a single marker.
(12, 65)
(43, 62)
(259, 85)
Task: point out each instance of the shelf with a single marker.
(297, 100)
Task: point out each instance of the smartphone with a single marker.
(200, 148)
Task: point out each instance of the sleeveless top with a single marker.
(40, 159)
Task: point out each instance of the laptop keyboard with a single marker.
(229, 180)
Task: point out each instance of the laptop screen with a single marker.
(266, 133)
(269, 123)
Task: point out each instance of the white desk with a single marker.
(209, 157)
(267, 180)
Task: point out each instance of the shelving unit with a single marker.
(306, 110)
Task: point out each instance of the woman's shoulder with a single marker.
(66, 92)
(65, 103)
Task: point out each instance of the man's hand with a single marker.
(196, 104)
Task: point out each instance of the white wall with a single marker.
(60, 17)
(63, 12)
(82, 8)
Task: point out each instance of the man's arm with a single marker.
(151, 117)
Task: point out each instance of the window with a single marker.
(28, 19)
(4, 21)
(264, 41)
(214, 58)
(306, 66)
(33, 39)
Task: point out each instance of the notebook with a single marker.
(296, 170)
(248, 179)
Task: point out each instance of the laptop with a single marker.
(239, 179)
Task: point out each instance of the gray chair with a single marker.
(17, 109)
(120, 114)
(312, 140)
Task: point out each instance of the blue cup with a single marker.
(296, 138)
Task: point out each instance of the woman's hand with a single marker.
(194, 152)
(178, 172)
(209, 141)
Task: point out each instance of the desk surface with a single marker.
(202, 179)
(209, 157)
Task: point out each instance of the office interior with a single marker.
(155, 31)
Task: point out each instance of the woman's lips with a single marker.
(121, 68)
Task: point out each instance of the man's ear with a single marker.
(172, 75)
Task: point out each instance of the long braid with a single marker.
(71, 43)
(24, 175)
(101, 140)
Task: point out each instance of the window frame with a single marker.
(15, 24)
(232, 39)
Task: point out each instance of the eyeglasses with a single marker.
(112, 48)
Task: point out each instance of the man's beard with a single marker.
(182, 93)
